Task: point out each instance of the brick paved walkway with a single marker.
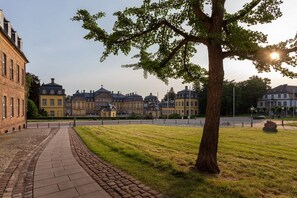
(58, 174)
(114, 181)
(19, 152)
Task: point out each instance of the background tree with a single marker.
(227, 97)
(32, 110)
(33, 86)
(247, 94)
(177, 27)
(171, 95)
(43, 113)
(250, 91)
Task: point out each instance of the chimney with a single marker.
(7, 27)
(84, 91)
(1, 19)
(53, 80)
(118, 92)
(151, 94)
(186, 87)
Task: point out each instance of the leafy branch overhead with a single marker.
(174, 28)
(167, 33)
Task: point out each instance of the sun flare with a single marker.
(274, 56)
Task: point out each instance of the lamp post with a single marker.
(293, 104)
(234, 106)
(282, 116)
(252, 110)
(102, 117)
(167, 104)
(74, 119)
(189, 114)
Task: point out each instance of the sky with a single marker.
(55, 47)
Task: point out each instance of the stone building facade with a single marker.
(151, 106)
(111, 104)
(133, 104)
(12, 78)
(282, 96)
(107, 103)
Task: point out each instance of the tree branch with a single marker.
(250, 54)
(201, 15)
(140, 33)
(173, 52)
(242, 13)
(293, 49)
(185, 54)
(190, 75)
(166, 23)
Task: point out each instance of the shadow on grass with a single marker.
(159, 174)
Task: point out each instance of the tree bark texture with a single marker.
(207, 156)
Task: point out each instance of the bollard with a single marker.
(48, 125)
(69, 124)
(175, 121)
(74, 121)
(282, 122)
(242, 124)
(37, 125)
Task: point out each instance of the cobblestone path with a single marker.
(115, 182)
(19, 152)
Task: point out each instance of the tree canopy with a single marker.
(32, 110)
(33, 85)
(174, 28)
(166, 34)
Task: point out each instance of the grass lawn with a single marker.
(292, 124)
(253, 163)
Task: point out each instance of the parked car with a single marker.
(258, 117)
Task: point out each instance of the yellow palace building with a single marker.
(186, 103)
(52, 99)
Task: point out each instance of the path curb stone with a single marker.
(115, 182)
(17, 180)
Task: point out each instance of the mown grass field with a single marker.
(253, 163)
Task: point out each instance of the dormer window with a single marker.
(52, 91)
(44, 91)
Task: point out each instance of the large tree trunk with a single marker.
(207, 156)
